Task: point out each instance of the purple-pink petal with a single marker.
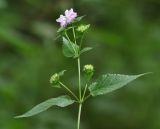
(69, 17)
(62, 20)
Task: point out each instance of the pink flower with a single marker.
(69, 17)
(62, 20)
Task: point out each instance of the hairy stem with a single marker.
(79, 116)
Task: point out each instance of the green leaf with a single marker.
(70, 49)
(110, 82)
(62, 72)
(56, 86)
(85, 49)
(61, 101)
(78, 19)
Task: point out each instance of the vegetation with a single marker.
(126, 32)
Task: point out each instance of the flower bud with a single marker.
(54, 79)
(83, 28)
(88, 68)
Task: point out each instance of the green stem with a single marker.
(81, 41)
(84, 93)
(79, 82)
(86, 97)
(70, 41)
(79, 116)
(79, 78)
(67, 36)
(74, 34)
(69, 91)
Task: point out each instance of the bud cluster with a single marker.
(83, 28)
(54, 79)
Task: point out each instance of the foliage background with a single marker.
(125, 35)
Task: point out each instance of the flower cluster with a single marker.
(68, 18)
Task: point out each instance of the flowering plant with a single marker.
(72, 32)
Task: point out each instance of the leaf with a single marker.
(85, 49)
(110, 82)
(78, 19)
(56, 86)
(61, 101)
(62, 72)
(70, 49)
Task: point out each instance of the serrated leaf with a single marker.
(70, 49)
(85, 49)
(61, 101)
(110, 82)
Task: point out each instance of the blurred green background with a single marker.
(125, 35)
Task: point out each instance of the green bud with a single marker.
(89, 70)
(83, 28)
(54, 79)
